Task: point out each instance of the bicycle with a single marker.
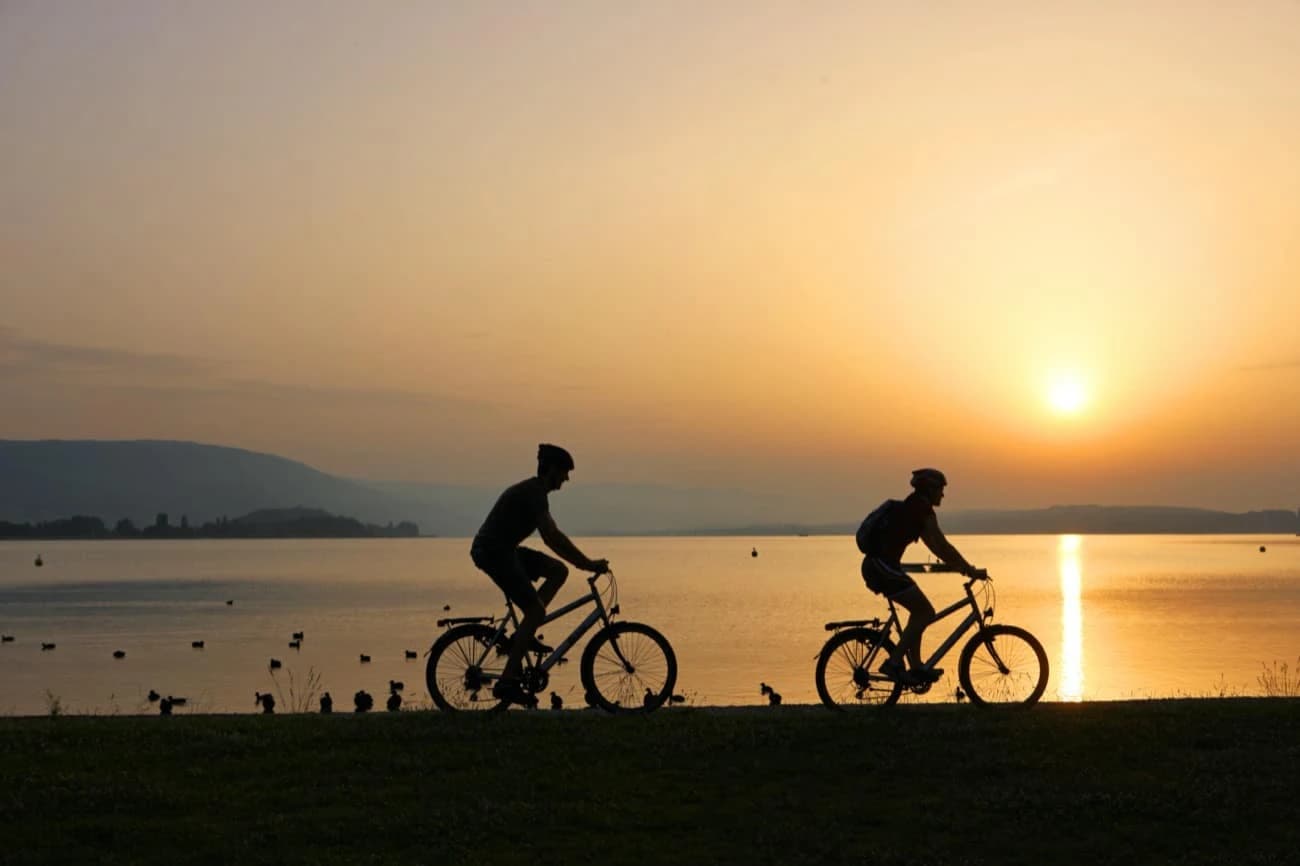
(1000, 664)
(627, 667)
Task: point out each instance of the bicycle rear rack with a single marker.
(875, 622)
(457, 620)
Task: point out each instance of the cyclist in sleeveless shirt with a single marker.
(519, 511)
(913, 519)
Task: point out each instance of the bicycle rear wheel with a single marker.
(1003, 664)
(463, 666)
(847, 670)
(628, 667)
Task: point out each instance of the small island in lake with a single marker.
(296, 522)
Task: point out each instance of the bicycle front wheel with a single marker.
(628, 667)
(847, 670)
(1003, 664)
(463, 666)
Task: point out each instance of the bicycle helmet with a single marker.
(928, 478)
(553, 455)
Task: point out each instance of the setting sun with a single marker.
(1067, 395)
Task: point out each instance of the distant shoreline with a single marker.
(1275, 537)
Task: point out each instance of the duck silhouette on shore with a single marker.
(266, 701)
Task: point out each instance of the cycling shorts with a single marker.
(515, 570)
(884, 577)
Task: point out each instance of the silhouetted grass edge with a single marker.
(1186, 781)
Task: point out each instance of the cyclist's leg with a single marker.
(920, 613)
(888, 579)
(548, 569)
(507, 572)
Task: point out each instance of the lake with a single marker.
(1120, 616)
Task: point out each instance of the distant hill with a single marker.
(53, 479)
(1062, 520)
(137, 480)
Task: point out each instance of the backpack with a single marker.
(874, 525)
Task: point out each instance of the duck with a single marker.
(178, 702)
(230, 602)
(649, 698)
(295, 644)
(394, 702)
(446, 607)
(6, 638)
(396, 685)
(39, 562)
(46, 646)
(196, 644)
(165, 707)
(557, 702)
(265, 701)
(412, 654)
(362, 701)
(119, 654)
(154, 696)
(297, 635)
(677, 699)
(365, 659)
(326, 703)
(753, 551)
(275, 664)
(773, 698)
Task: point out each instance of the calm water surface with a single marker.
(1120, 616)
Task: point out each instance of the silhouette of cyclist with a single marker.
(497, 550)
(908, 521)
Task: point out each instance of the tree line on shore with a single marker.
(266, 523)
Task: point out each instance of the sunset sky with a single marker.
(799, 249)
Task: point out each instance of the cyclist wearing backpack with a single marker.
(883, 537)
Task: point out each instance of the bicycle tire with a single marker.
(450, 670)
(846, 671)
(611, 686)
(1021, 679)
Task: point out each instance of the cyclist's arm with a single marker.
(941, 547)
(567, 550)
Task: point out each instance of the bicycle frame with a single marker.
(600, 614)
(976, 616)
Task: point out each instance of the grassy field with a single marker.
(1195, 781)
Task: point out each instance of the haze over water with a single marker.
(1120, 616)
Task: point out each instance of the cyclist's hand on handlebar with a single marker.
(599, 566)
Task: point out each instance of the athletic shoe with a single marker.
(512, 692)
(896, 672)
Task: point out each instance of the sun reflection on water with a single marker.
(1071, 684)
